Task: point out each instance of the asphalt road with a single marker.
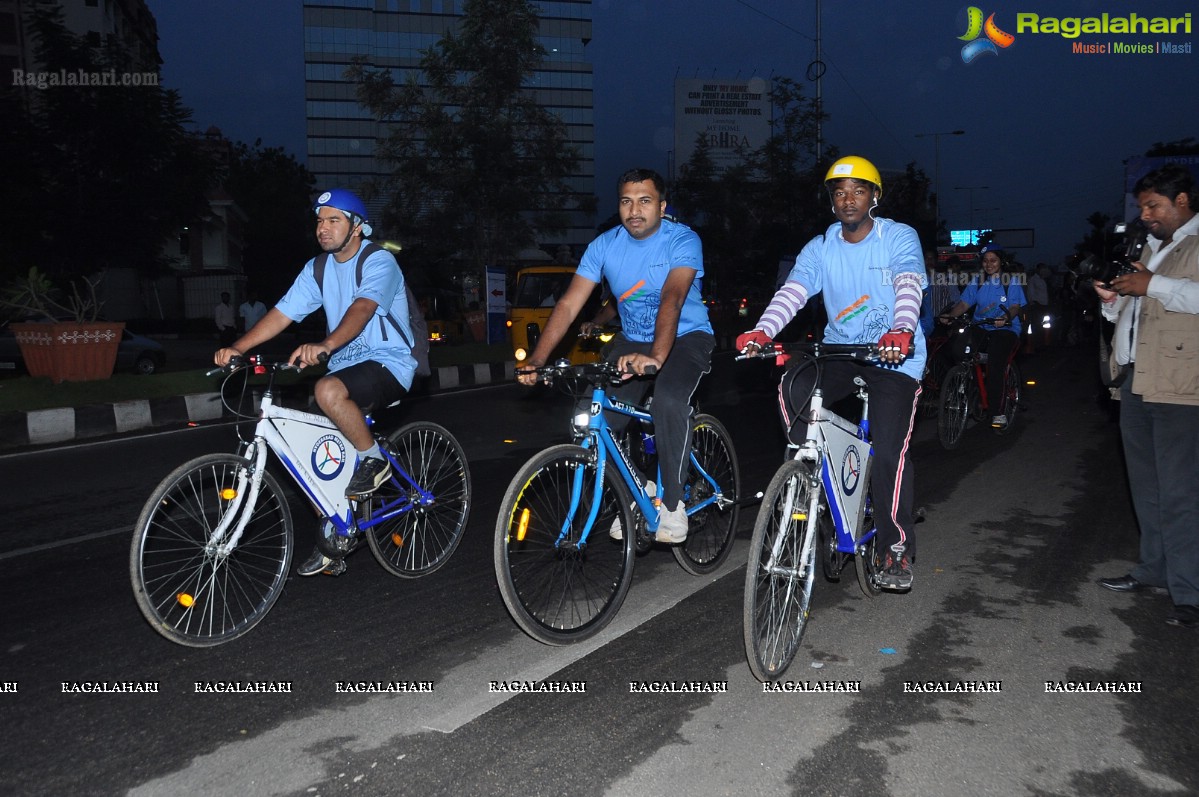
(1017, 529)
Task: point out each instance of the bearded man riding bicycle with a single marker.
(369, 343)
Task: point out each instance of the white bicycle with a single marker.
(212, 548)
(817, 505)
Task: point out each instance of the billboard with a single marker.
(729, 114)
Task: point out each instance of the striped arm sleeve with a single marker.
(907, 301)
(789, 300)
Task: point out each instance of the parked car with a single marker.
(136, 353)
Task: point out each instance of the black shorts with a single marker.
(371, 386)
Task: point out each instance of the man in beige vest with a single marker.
(1156, 310)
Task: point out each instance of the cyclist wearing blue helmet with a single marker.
(369, 340)
(994, 295)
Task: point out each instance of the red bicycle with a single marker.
(964, 393)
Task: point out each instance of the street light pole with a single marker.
(937, 173)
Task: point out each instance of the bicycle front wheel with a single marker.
(421, 539)
(711, 529)
(189, 591)
(562, 581)
(779, 574)
(955, 406)
(1012, 385)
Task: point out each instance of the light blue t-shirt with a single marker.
(387, 337)
(637, 270)
(992, 296)
(857, 283)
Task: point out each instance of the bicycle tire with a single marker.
(930, 392)
(190, 594)
(869, 558)
(778, 598)
(563, 593)
(955, 406)
(1012, 385)
(420, 541)
(710, 530)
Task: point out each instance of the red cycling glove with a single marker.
(899, 340)
(754, 336)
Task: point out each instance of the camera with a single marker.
(1122, 257)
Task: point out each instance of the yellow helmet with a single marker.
(855, 168)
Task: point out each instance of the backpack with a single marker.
(416, 320)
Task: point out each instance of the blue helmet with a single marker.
(996, 248)
(345, 201)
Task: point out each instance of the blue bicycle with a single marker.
(575, 515)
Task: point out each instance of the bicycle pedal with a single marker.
(335, 568)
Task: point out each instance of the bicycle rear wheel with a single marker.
(189, 592)
(710, 530)
(420, 540)
(869, 556)
(1012, 385)
(955, 406)
(778, 575)
(558, 587)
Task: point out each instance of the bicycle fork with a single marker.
(808, 516)
(239, 504)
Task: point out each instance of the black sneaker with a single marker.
(897, 572)
(371, 473)
(319, 563)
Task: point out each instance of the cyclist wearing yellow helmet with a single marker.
(870, 273)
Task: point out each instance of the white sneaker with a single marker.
(672, 525)
(616, 531)
(999, 421)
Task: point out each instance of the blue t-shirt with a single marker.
(992, 296)
(637, 270)
(857, 283)
(383, 283)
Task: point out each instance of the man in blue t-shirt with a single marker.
(996, 297)
(369, 344)
(653, 266)
(870, 273)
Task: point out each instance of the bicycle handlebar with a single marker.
(604, 333)
(591, 372)
(962, 323)
(864, 352)
(240, 361)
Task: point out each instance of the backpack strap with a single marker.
(318, 273)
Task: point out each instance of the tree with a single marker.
(106, 172)
(906, 199)
(1185, 146)
(479, 168)
(752, 215)
(274, 190)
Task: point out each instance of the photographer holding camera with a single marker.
(1156, 310)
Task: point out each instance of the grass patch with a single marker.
(24, 393)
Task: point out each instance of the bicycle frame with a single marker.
(836, 446)
(601, 439)
(283, 430)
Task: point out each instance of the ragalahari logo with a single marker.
(993, 40)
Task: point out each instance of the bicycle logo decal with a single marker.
(328, 457)
(851, 470)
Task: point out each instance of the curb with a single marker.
(65, 424)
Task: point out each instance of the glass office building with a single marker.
(392, 34)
